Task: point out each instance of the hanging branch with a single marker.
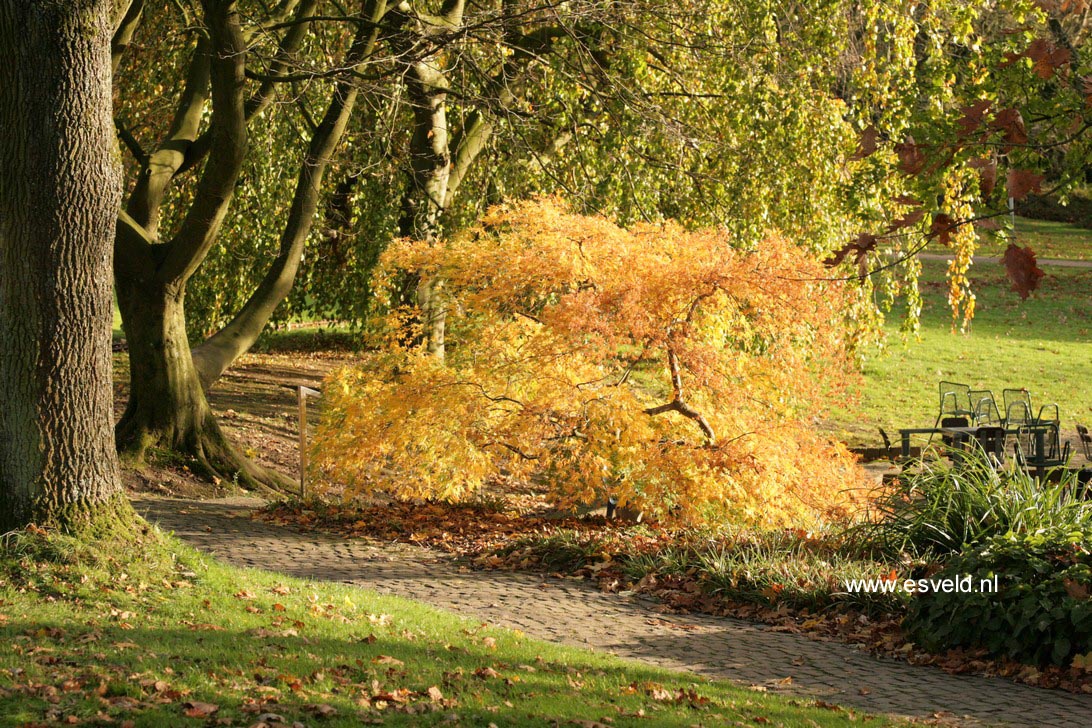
(678, 405)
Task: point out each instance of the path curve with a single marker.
(575, 613)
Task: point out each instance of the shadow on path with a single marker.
(572, 612)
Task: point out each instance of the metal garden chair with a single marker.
(984, 406)
(1086, 440)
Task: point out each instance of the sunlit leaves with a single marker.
(664, 367)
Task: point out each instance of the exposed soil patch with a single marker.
(256, 401)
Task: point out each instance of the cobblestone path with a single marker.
(575, 613)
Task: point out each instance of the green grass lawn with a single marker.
(1052, 239)
(166, 636)
(1043, 344)
(1057, 240)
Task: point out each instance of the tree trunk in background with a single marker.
(167, 407)
(60, 189)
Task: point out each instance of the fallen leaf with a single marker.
(195, 709)
(388, 660)
(322, 710)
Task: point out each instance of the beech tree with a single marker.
(706, 111)
(167, 406)
(60, 189)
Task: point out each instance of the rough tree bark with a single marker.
(60, 189)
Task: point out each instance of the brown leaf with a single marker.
(973, 117)
(435, 694)
(1020, 182)
(866, 145)
(911, 158)
(388, 660)
(1047, 57)
(195, 709)
(910, 218)
(1021, 268)
(987, 174)
(1075, 589)
(659, 694)
(1012, 123)
(862, 245)
(943, 226)
(486, 672)
(322, 710)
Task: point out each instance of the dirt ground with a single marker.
(256, 402)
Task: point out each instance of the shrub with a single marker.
(938, 509)
(1042, 612)
(661, 366)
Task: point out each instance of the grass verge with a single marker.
(166, 636)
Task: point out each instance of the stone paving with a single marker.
(575, 613)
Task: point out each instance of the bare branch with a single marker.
(125, 27)
(678, 405)
(163, 163)
(215, 355)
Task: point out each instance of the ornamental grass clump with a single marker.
(938, 508)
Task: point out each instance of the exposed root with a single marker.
(205, 450)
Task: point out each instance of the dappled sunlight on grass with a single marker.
(179, 639)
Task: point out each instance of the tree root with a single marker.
(208, 453)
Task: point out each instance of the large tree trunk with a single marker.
(167, 407)
(60, 189)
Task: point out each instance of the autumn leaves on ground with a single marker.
(165, 636)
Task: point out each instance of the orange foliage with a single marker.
(659, 365)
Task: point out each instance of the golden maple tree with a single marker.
(662, 366)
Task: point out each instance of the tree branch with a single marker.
(216, 354)
(131, 143)
(147, 196)
(125, 26)
(228, 145)
(263, 96)
(678, 405)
